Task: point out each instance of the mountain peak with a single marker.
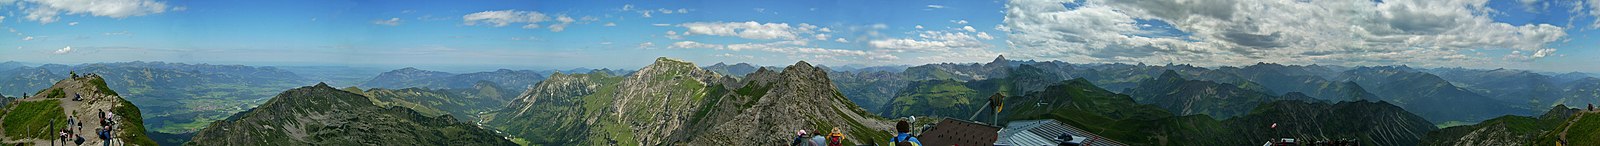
(322, 85)
(801, 63)
(1000, 60)
(669, 62)
(1170, 74)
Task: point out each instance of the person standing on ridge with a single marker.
(836, 138)
(904, 138)
(799, 138)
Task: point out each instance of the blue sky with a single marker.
(1536, 35)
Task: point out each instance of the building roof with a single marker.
(1043, 132)
(959, 132)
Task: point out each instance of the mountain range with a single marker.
(674, 102)
(322, 115)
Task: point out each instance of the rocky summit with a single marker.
(85, 100)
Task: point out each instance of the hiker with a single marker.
(60, 136)
(799, 138)
(818, 140)
(836, 138)
(904, 138)
(70, 122)
(105, 134)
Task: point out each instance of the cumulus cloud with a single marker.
(646, 12)
(930, 41)
(48, 11)
(27, 38)
(935, 6)
(749, 30)
(72, 23)
(647, 45)
(65, 50)
(1227, 32)
(504, 17)
(389, 22)
(528, 19)
(790, 48)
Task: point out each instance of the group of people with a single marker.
(69, 134)
(903, 137)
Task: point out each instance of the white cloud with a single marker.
(918, 26)
(787, 48)
(647, 45)
(824, 29)
(558, 27)
(1227, 32)
(661, 24)
(841, 40)
(563, 21)
(47, 11)
(72, 23)
(389, 22)
(731, 55)
(504, 17)
(648, 13)
(611, 24)
(66, 50)
(28, 38)
(961, 22)
(749, 30)
(930, 41)
(969, 29)
(936, 6)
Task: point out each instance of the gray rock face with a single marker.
(800, 98)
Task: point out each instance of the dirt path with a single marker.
(1573, 121)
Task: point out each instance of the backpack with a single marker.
(897, 141)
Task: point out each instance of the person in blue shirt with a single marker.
(904, 138)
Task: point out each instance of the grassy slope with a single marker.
(33, 119)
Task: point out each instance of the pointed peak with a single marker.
(1001, 59)
(322, 85)
(1170, 74)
